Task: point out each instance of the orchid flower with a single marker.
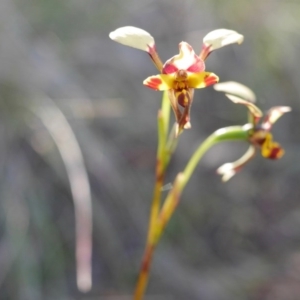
(182, 73)
(259, 127)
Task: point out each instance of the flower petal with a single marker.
(254, 110)
(221, 37)
(202, 79)
(217, 39)
(160, 82)
(185, 60)
(175, 107)
(133, 37)
(270, 149)
(230, 169)
(236, 89)
(273, 115)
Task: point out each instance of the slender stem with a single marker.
(180, 182)
(150, 244)
(169, 207)
(225, 134)
(196, 157)
(159, 218)
(163, 158)
(144, 272)
(158, 221)
(165, 109)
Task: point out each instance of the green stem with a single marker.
(225, 134)
(162, 161)
(232, 133)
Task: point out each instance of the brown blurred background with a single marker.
(239, 240)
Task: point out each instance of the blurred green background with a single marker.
(61, 75)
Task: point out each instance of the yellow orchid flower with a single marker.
(259, 128)
(182, 73)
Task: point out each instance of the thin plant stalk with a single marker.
(161, 216)
(163, 157)
(172, 200)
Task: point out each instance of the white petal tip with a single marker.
(236, 89)
(187, 125)
(226, 171)
(133, 37)
(222, 37)
(286, 109)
